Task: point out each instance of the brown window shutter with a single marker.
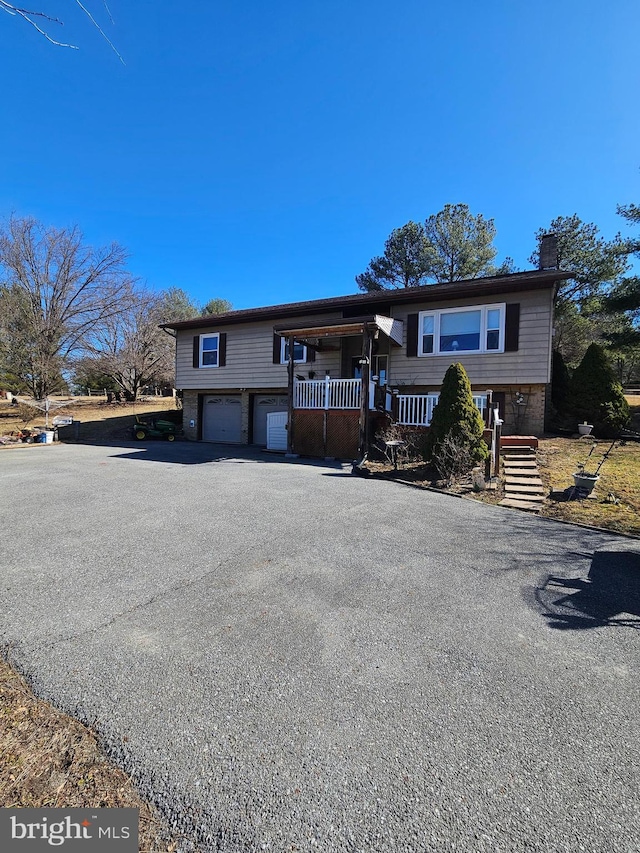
(512, 327)
(311, 354)
(222, 349)
(412, 335)
(277, 348)
(196, 351)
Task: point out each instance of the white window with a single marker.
(299, 352)
(209, 350)
(461, 330)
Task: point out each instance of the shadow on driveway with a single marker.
(609, 595)
(202, 453)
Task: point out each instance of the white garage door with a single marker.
(263, 405)
(222, 419)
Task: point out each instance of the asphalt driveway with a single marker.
(288, 658)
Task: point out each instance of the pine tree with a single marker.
(560, 383)
(456, 420)
(595, 395)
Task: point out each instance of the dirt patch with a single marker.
(50, 760)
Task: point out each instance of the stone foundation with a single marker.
(526, 417)
(190, 415)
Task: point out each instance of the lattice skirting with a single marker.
(326, 433)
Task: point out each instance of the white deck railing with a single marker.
(413, 409)
(326, 394)
(417, 409)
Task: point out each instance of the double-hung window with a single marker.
(210, 350)
(299, 352)
(461, 330)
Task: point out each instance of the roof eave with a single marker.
(514, 283)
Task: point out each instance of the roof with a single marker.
(379, 301)
(341, 327)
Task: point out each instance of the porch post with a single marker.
(488, 465)
(367, 352)
(290, 399)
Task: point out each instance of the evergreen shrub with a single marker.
(456, 420)
(596, 396)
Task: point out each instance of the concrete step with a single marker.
(517, 451)
(520, 466)
(528, 506)
(530, 499)
(533, 481)
(519, 457)
(521, 472)
(532, 489)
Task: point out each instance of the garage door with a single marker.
(263, 405)
(222, 419)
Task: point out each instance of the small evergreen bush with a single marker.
(456, 421)
(596, 396)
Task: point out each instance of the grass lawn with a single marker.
(615, 502)
(99, 420)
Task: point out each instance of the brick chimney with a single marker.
(548, 252)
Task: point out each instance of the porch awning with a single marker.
(342, 327)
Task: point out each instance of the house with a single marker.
(324, 374)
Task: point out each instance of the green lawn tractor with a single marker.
(148, 428)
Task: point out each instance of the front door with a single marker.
(379, 369)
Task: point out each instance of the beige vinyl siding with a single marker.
(530, 364)
(249, 359)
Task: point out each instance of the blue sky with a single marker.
(262, 152)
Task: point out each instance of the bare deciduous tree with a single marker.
(56, 294)
(132, 350)
(128, 348)
(29, 15)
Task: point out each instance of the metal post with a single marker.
(367, 351)
(497, 435)
(489, 425)
(290, 400)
